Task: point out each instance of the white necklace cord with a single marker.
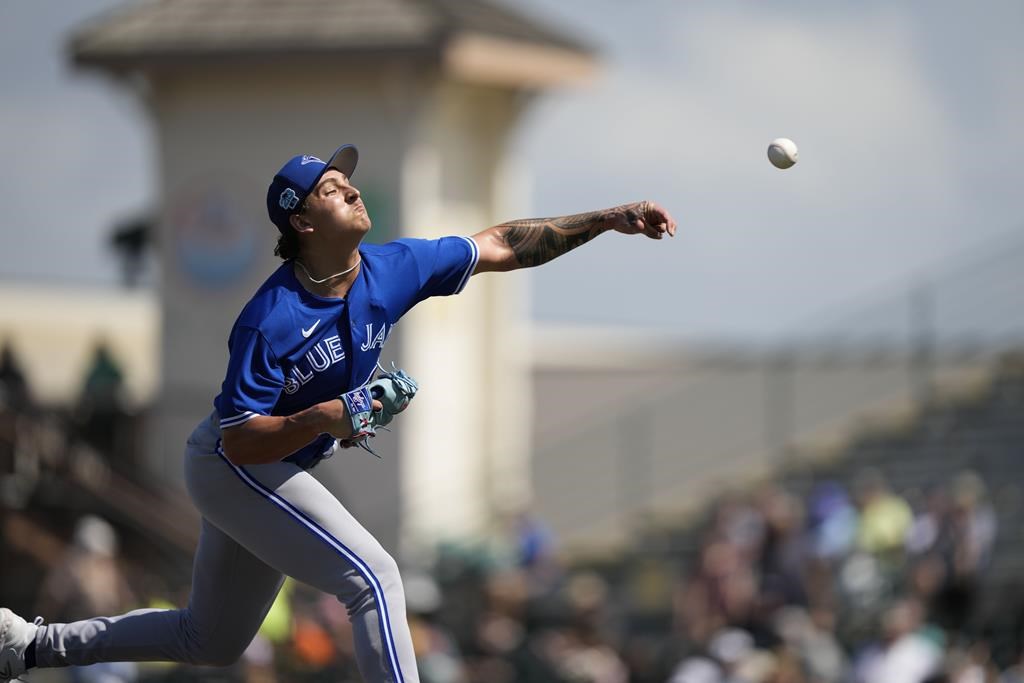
(329, 277)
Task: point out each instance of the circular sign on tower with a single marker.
(213, 239)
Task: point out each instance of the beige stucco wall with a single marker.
(465, 448)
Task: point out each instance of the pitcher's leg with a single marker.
(232, 590)
(299, 527)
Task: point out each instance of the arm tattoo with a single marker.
(538, 240)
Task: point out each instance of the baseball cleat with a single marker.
(15, 635)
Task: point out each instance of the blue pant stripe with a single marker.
(337, 546)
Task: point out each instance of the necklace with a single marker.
(329, 277)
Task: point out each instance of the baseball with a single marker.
(782, 152)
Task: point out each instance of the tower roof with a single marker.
(463, 34)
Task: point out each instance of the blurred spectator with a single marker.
(973, 665)
(100, 411)
(885, 518)
(14, 393)
(906, 653)
(973, 525)
(814, 643)
(525, 541)
(500, 638)
(696, 670)
(89, 581)
(437, 655)
(926, 579)
(1015, 673)
(832, 521)
(739, 523)
(783, 550)
(926, 530)
(590, 654)
(589, 661)
(721, 592)
(104, 381)
(534, 542)
(14, 402)
(731, 647)
(968, 537)
(761, 666)
(862, 583)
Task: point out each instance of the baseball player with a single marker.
(299, 385)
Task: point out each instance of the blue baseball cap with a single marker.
(298, 177)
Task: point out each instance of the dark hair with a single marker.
(287, 245)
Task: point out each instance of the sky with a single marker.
(907, 115)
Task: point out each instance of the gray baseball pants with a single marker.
(260, 522)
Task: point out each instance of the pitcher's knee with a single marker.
(389, 579)
(386, 570)
(382, 582)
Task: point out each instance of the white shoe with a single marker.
(15, 635)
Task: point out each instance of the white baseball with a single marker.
(782, 152)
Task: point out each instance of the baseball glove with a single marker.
(393, 389)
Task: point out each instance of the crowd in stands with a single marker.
(842, 585)
(839, 582)
(97, 417)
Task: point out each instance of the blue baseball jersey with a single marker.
(290, 349)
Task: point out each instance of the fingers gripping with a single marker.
(395, 390)
(392, 391)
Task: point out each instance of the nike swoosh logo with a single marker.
(306, 333)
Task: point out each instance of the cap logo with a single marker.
(309, 158)
(289, 200)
